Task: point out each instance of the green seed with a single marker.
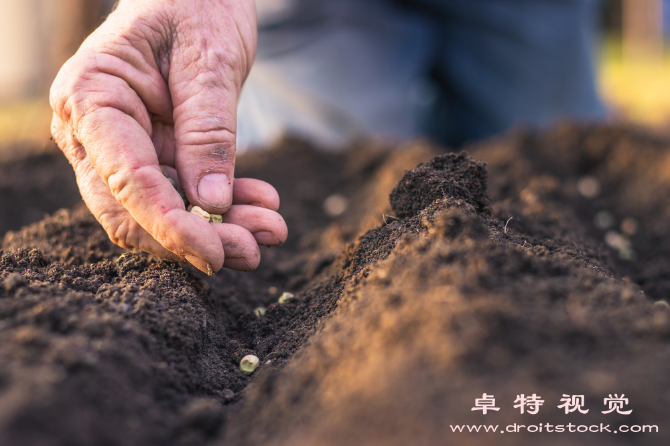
(248, 364)
(285, 297)
(215, 218)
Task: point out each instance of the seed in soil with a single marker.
(588, 187)
(285, 297)
(629, 226)
(248, 364)
(627, 254)
(259, 311)
(197, 210)
(604, 220)
(335, 205)
(616, 241)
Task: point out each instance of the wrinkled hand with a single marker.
(157, 84)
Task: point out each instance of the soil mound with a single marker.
(398, 323)
(451, 175)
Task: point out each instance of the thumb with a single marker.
(205, 116)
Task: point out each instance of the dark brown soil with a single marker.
(33, 186)
(456, 177)
(391, 336)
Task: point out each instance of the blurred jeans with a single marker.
(452, 70)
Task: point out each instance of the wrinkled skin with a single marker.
(158, 84)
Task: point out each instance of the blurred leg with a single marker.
(332, 70)
(503, 62)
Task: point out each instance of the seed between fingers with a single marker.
(197, 210)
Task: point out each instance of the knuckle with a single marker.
(118, 229)
(86, 117)
(81, 106)
(76, 155)
(118, 183)
(215, 143)
(121, 182)
(164, 232)
(73, 151)
(87, 104)
(70, 84)
(208, 129)
(85, 88)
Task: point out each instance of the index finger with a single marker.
(122, 154)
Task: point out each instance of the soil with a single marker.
(481, 278)
(33, 186)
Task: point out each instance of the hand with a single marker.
(157, 84)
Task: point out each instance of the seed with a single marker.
(259, 311)
(164, 172)
(200, 211)
(588, 187)
(616, 241)
(285, 297)
(627, 254)
(215, 218)
(604, 220)
(629, 226)
(248, 364)
(335, 205)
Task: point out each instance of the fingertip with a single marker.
(202, 265)
(267, 238)
(279, 231)
(256, 193)
(241, 249)
(192, 238)
(240, 264)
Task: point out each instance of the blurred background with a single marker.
(37, 36)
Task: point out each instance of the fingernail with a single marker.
(266, 238)
(215, 189)
(238, 263)
(200, 264)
